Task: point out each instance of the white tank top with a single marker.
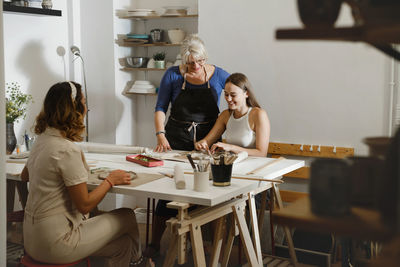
(238, 131)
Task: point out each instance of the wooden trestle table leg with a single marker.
(245, 235)
(233, 231)
(217, 244)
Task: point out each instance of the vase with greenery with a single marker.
(159, 60)
(16, 104)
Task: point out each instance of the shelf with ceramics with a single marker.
(145, 14)
(158, 17)
(8, 7)
(150, 39)
(133, 44)
(142, 69)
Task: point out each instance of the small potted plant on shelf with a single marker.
(159, 60)
(16, 103)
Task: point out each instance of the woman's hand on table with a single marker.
(223, 146)
(119, 177)
(201, 145)
(162, 144)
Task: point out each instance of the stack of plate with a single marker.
(137, 38)
(141, 12)
(143, 87)
(175, 10)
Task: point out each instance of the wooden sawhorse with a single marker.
(192, 222)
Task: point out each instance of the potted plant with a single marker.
(159, 60)
(16, 103)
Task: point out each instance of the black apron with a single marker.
(193, 114)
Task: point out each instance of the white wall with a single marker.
(328, 93)
(3, 195)
(97, 51)
(31, 59)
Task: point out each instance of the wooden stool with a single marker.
(27, 261)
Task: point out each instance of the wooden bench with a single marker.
(303, 151)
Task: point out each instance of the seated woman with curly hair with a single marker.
(56, 228)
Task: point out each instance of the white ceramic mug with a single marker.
(201, 181)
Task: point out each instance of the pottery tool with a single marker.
(257, 179)
(191, 161)
(266, 165)
(166, 174)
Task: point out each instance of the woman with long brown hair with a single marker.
(56, 226)
(245, 124)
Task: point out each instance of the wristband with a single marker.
(160, 132)
(108, 180)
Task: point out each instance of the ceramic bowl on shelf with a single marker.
(176, 36)
(175, 10)
(139, 12)
(137, 62)
(151, 64)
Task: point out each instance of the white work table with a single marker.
(164, 188)
(220, 201)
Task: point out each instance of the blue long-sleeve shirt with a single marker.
(171, 85)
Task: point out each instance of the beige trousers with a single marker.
(67, 238)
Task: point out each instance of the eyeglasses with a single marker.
(199, 61)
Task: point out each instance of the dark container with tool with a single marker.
(222, 174)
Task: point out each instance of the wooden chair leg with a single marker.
(289, 239)
(254, 226)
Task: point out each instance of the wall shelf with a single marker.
(157, 17)
(381, 37)
(7, 7)
(133, 93)
(141, 69)
(132, 44)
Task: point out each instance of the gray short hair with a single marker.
(193, 45)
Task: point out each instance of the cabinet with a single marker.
(143, 25)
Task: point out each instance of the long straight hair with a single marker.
(240, 80)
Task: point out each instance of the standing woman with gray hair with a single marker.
(194, 90)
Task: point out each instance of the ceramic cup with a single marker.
(201, 181)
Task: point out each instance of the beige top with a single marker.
(54, 163)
